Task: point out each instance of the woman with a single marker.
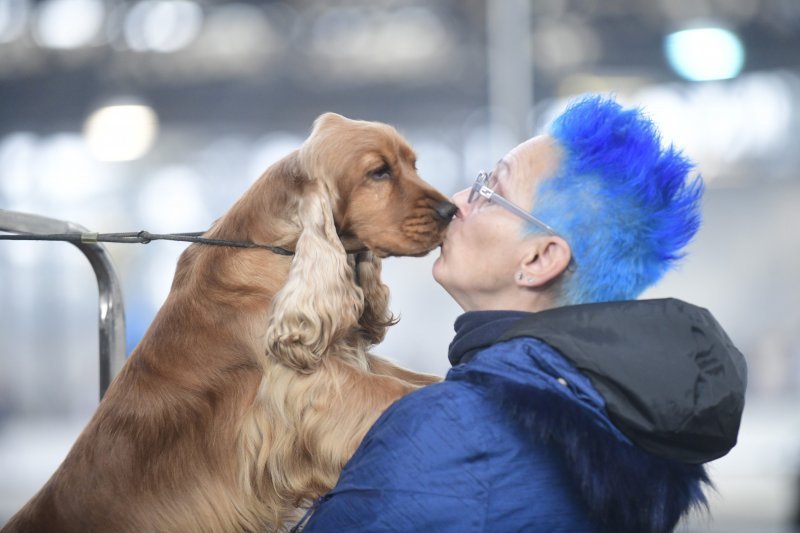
(570, 406)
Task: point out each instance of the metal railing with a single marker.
(112, 312)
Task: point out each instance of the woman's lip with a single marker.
(448, 230)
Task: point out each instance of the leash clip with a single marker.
(89, 238)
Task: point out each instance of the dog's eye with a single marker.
(382, 173)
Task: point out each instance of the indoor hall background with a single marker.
(157, 114)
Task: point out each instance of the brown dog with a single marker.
(253, 386)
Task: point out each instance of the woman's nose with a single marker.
(460, 200)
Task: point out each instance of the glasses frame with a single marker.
(479, 188)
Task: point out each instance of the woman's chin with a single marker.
(439, 270)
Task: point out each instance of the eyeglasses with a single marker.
(481, 187)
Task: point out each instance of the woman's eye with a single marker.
(382, 173)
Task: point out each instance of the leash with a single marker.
(299, 526)
(142, 237)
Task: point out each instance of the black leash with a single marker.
(141, 237)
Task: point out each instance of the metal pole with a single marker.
(510, 70)
(112, 312)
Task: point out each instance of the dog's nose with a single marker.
(445, 210)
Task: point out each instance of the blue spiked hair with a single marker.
(626, 205)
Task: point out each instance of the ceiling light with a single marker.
(163, 25)
(121, 132)
(13, 17)
(68, 23)
(704, 54)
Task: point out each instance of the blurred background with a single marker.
(157, 114)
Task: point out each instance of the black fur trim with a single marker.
(623, 487)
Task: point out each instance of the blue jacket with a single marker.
(522, 436)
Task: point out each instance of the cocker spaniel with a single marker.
(253, 385)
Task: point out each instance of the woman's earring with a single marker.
(521, 276)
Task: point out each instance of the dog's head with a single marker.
(361, 199)
(379, 202)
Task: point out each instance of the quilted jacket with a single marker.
(594, 417)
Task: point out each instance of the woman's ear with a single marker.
(544, 261)
(319, 303)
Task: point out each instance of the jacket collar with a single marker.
(672, 380)
(476, 330)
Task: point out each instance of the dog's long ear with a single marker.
(376, 316)
(320, 303)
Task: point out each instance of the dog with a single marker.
(253, 386)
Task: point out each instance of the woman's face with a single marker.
(484, 246)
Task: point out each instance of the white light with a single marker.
(369, 42)
(121, 132)
(68, 23)
(17, 167)
(163, 26)
(704, 54)
(411, 34)
(171, 201)
(698, 118)
(237, 33)
(13, 16)
(67, 172)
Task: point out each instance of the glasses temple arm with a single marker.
(522, 213)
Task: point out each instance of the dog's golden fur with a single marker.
(253, 385)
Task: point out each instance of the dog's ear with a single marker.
(328, 119)
(376, 316)
(320, 303)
